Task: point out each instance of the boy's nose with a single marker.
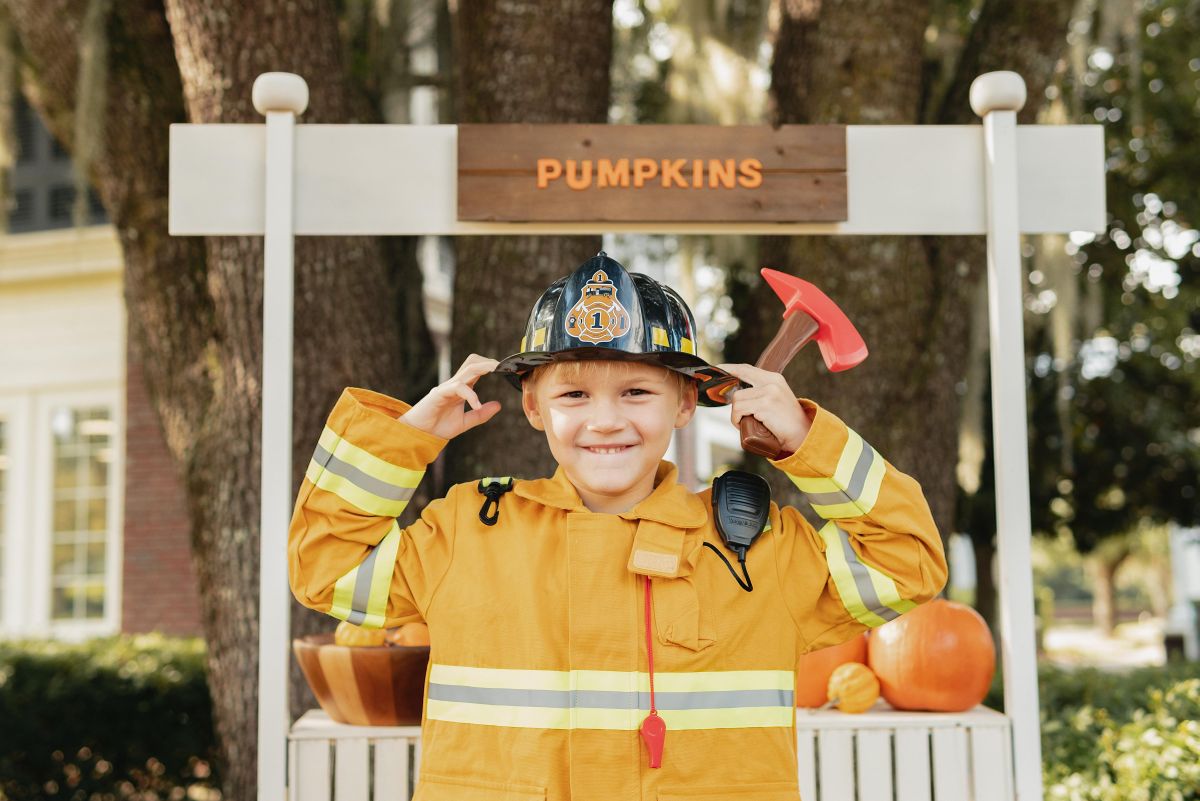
(605, 418)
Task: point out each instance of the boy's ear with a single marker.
(530, 407)
(687, 405)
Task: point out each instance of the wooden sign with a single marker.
(651, 173)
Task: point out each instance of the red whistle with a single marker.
(654, 732)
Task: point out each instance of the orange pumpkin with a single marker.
(814, 669)
(853, 688)
(349, 634)
(409, 634)
(939, 658)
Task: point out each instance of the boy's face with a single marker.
(609, 428)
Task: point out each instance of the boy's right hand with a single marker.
(441, 412)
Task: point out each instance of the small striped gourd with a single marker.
(814, 669)
(853, 688)
(349, 634)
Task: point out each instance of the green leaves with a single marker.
(125, 717)
(1130, 736)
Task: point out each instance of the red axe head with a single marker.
(840, 343)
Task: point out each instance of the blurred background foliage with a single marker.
(113, 718)
(1113, 338)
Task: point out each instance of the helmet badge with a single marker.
(598, 316)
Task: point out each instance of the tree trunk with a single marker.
(538, 61)
(985, 582)
(1103, 566)
(350, 335)
(194, 306)
(862, 64)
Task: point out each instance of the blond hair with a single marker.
(575, 370)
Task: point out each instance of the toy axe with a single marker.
(808, 314)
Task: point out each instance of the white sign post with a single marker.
(280, 180)
(997, 97)
(280, 97)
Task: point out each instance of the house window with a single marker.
(42, 181)
(82, 456)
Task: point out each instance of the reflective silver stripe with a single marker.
(605, 699)
(862, 579)
(858, 480)
(362, 588)
(360, 479)
(810, 515)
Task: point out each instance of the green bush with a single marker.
(117, 718)
(1119, 736)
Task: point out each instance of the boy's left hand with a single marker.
(771, 400)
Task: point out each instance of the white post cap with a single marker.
(997, 91)
(280, 91)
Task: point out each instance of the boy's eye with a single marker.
(575, 393)
(639, 391)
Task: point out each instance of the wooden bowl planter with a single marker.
(381, 685)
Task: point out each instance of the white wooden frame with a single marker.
(37, 588)
(17, 412)
(883, 755)
(1001, 180)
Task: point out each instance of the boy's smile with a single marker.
(608, 428)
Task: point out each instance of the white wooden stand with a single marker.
(881, 755)
(281, 180)
(328, 760)
(886, 755)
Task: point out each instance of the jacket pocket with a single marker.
(459, 788)
(681, 617)
(767, 791)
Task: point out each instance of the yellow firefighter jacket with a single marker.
(538, 679)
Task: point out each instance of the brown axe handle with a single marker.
(795, 332)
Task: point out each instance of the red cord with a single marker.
(654, 728)
(650, 648)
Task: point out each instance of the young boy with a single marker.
(574, 618)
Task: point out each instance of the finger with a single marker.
(466, 393)
(746, 394)
(737, 370)
(481, 415)
(749, 407)
(745, 400)
(751, 374)
(736, 415)
(475, 363)
(739, 415)
(478, 370)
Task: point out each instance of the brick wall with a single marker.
(159, 592)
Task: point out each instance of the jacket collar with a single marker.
(670, 503)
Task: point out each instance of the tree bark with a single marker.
(537, 61)
(862, 65)
(349, 334)
(1103, 565)
(194, 306)
(1104, 606)
(985, 583)
(1027, 37)
(908, 297)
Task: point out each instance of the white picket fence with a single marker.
(881, 755)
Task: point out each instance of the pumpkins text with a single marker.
(637, 173)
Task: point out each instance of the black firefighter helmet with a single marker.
(602, 311)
